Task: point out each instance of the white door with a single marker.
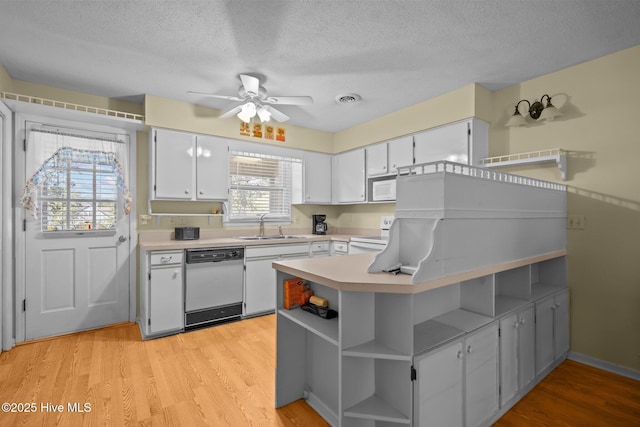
(317, 177)
(377, 159)
(450, 142)
(76, 279)
(481, 375)
(508, 358)
(400, 153)
(260, 279)
(350, 176)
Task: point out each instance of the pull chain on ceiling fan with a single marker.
(256, 102)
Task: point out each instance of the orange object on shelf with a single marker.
(293, 293)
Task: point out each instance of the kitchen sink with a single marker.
(276, 237)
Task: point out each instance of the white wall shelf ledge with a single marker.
(557, 155)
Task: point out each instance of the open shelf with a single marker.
(505, 304)
(324, 328)
(375, 349)
(430, 334)
(375, 408)
(541, 290)
(557, 155)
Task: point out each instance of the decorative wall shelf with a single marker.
(557, 155)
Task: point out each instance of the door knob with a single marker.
(122, 239)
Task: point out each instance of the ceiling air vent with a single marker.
(350, 98)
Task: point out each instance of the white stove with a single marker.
(362, 244)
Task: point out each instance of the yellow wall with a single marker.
(172, 114)
(450, 107)
(6, 84)
(599, 102)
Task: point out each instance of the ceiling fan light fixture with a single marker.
(248, 112)
(264, 114)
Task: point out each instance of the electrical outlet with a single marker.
(576, 222)
(144, 219)
(385, 222)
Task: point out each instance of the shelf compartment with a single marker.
(505, 304)
(375, 349)
(541, 290)
(464, 320)
(375, 408)
(326, 329)
(430, 334)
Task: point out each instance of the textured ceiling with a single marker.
(393, 53)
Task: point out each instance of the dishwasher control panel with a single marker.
(214, 255)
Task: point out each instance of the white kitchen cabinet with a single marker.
(260, 277)
(517, 353)
(317, 178)
(400, 153)
(162, 290)
(377, 159)
(481, 375)
(212, 168)
(186, 166)
(172, 166)
(438, 390)
(349, 176)
(460, 142)
(552, 329)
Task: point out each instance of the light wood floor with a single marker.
(225, 376)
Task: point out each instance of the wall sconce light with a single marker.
(536, 110)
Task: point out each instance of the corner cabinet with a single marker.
(185, 166)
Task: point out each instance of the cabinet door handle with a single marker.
(523, 321)
(201, 193)
(165, 259)
(186, 191)
(515, 324)
(176, 273)
(469, 349)
(459, 355)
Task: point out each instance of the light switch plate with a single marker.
(576, 222)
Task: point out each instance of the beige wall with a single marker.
(599, 102)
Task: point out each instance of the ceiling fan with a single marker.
(256, 102)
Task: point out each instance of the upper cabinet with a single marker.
(186, 166)
(316, 178)
(400, 153)
(349, 176)
(461, 142)
(377, 163)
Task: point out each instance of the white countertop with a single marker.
(157, 244)
(349, 273)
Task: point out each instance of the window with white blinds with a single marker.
(260, 184)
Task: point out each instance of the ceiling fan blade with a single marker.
(277, 115)
(231, 112)
(289, 100)
(210, 95)
(251, 84)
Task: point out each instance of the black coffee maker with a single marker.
(319, 224)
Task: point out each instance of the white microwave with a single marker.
(384, 190)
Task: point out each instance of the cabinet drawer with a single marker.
(341, 247)
(275, 250)
(320, 246)
(168, 257)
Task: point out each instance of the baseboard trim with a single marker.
(605, 366)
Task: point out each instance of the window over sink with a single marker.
(261, 185)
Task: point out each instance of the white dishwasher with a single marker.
(260, 277)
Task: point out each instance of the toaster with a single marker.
(187, 233)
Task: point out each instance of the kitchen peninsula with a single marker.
(486, 320)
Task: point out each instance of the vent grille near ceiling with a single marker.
(350, 98)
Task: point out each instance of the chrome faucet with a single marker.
(261, 229)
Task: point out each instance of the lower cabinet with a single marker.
(517, 353)
(438, 387)
(457, 384)
(260, 277)
(552, 329)
(161, 293)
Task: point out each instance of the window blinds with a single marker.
(260, 184)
